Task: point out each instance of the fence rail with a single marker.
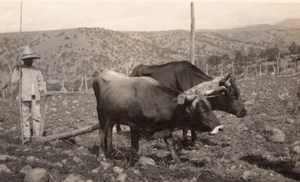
(261, 70)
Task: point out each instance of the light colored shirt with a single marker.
(32, 82)
(32, 89)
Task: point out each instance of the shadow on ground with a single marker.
(282, 167)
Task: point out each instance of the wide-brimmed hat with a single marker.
(27, 54)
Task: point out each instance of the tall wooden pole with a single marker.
(192, 46)
(85, 80)
(20, 33)
(20, 79)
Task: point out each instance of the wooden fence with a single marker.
(259, 70)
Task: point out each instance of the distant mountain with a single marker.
(68, 54)
(292, 23)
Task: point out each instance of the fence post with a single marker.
(232, 63)
(222, 67)
(256, 64)
(192, 46)
(266, 66)
(285, 69)
(81, 84)
(85, 81)
(206, 70)
(259, 71)
(246, 70)
(63, 89)
(279, 60)
(274, 69)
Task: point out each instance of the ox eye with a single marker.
(232, 93)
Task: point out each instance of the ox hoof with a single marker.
(187, 144)
(132, 162)
(101, 157)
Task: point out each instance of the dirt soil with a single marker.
(242, 152)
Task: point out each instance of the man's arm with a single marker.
(41, 83)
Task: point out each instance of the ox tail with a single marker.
(96, 86)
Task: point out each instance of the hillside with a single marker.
(68, 54)
(292, 23)
(219, 42)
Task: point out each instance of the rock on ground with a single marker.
(74, 178)
(31, 159)
(296, 147)
(297, 167)
(4, 168)
(25, 169)
(274, 134)
(37, 175)
(145, 161)
(118, 170)
(290, 120)
(248, 175)
(105, 165)
(5, 157)
(122, 177)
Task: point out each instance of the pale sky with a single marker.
(142, 15)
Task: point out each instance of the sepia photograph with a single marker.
(149, 90)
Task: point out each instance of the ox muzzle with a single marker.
(217, 129)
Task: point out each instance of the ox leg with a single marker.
(194, 135)
(135, 137)
(184, 137)
(109, 145)
(102, 144)
(102, 136)
(170, 143)
(4, 96)
(118, 127)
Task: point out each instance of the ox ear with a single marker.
(235, 77)
(186, 98)
(215, 92)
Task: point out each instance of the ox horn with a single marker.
(225, 80)
(216, 91)
(190, 98)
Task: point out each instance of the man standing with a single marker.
(32, 87)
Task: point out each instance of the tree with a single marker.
(270, 53)
(214, 60)
(294, 48)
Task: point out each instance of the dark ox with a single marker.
(183, 75)
(148, 108)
